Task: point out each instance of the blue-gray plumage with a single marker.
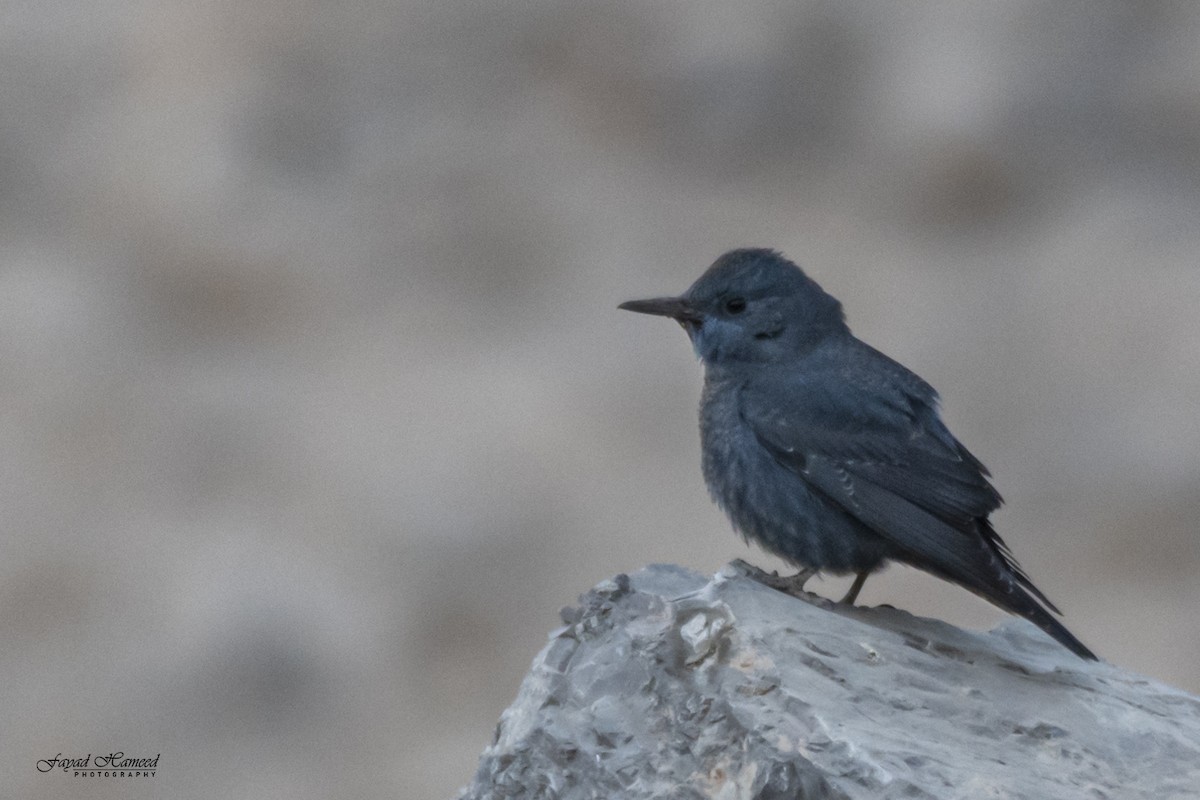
(827, 452)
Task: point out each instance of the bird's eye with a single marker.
(735, 305)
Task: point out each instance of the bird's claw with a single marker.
(792, 585)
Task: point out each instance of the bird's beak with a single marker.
(677, 308)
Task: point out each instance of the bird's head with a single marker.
(751, 305)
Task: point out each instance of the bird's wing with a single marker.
(865, 432)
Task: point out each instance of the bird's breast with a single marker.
(770, 503)
(732, 459)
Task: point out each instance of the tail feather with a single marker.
(1010, 593)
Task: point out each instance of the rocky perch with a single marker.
(667, 684)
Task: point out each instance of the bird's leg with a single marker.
(855, 587)
(788, 584)
(794, 584)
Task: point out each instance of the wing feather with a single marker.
(867, 434)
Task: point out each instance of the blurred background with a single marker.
(317, 405)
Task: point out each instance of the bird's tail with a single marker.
(1011, 596)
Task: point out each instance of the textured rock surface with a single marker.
(667, 684)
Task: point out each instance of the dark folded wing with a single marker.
(867, 435)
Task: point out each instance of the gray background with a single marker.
(317, 405)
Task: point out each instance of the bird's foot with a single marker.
(788, 584)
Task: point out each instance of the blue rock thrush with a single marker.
(827, 452)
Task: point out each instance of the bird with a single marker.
(830, 454)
